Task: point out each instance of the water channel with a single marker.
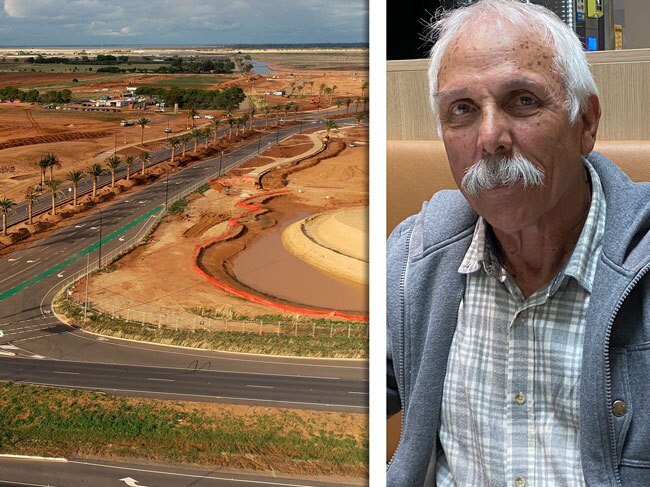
(260, 67)
(266, 266)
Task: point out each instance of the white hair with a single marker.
(569, 59)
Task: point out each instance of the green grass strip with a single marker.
(65, 263)
(339, 345)
(47, 421)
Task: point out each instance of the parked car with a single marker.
(168, 130)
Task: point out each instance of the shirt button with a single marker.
(520, 481)
(619, 408)
(520, 397)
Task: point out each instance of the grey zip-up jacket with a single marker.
(424, 290)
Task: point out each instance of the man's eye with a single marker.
(460, 109)
(525, 101)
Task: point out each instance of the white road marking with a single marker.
(180, 394)
(60, 274)
(355, 392)
(64, 372)
(9, 346)
(121, 239)
(161, 380)
(200, 476)
(260, 387)
(14, 259)
(131, 482)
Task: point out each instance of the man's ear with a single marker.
(590, 119)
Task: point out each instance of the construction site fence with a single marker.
(173, 319)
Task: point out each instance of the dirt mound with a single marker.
(48, 139)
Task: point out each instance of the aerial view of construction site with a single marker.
(184, 265)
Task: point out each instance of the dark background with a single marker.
(406, 27)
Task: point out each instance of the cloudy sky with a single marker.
(94, 22)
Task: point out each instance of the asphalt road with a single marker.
(36, 348)
(30, 277)
(76, 473)
(43, 202)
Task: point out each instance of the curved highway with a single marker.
(34, 344)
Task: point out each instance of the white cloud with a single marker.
(184, 21)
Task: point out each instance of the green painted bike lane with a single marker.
(65, 263)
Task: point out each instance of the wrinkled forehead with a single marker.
(480, 45)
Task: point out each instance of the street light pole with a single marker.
(166, 189)
(87, 279)
(101, 221)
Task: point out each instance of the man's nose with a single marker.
(494, 132)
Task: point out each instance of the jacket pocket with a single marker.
(631, 381)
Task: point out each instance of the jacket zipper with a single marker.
(402, 297)
(608, 373)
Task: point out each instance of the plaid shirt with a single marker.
(510, 406)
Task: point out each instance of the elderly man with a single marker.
(519, 307)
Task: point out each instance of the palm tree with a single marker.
(348, 102)
(95, 171)
(143, 122)
(252, 112)
(321, 89)
(215, 122)
(196, 135)
(53, 184)
(266, 110)
(365, 101)
(332, 90)
(207, 132)
(357, 101)
(339, 103)
(243, 120)
(113, 163)
(192, 113)
(30, 196)
(185, 138)
(75, 176)
(43, 164)
(361, 117)
(231, 122)
(277, 108)
(173, 143)
(331, 125)
(128, 162)
(364, 87)
(144, 158)
(5, 207)
(52, 162)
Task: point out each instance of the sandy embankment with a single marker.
(334, 242)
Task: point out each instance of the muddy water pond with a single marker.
(266, 266)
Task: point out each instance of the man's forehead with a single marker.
(513, 83)
(480, 40)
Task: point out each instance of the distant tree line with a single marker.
(100, 59)
(221, 66)
(33, 96)
(226, 99)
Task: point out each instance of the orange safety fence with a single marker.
(234, 223)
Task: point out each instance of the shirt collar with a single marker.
(582, 263)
